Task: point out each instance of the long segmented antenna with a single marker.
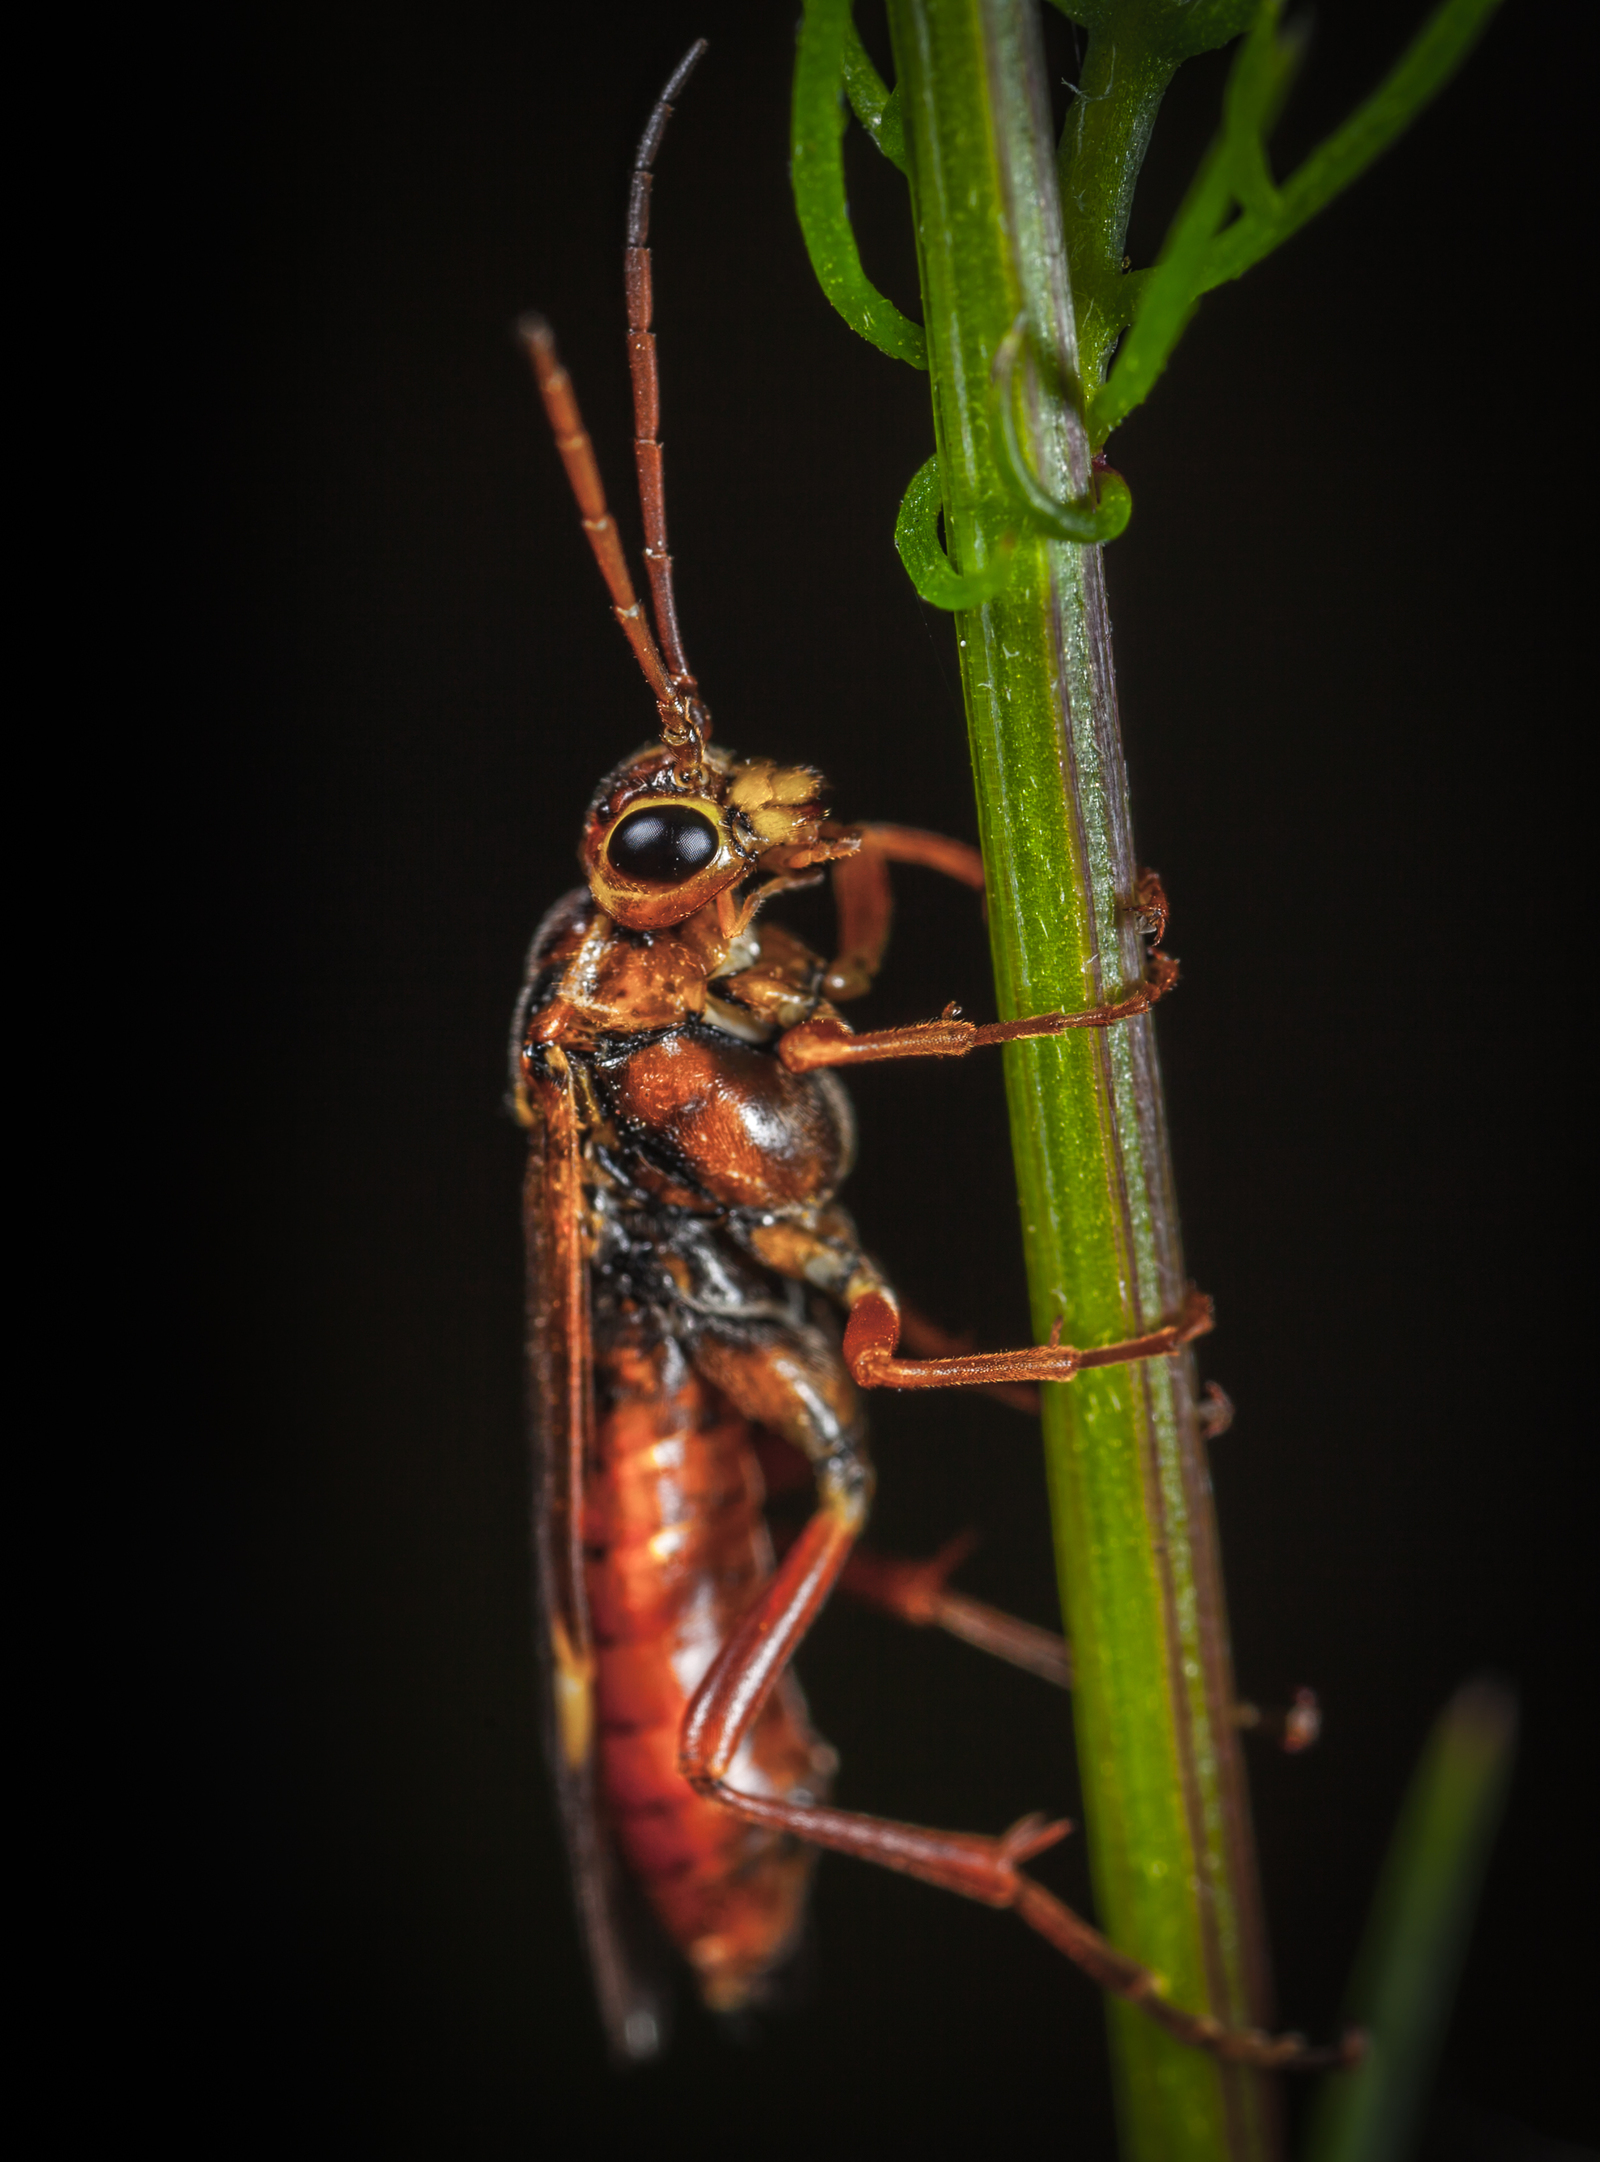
(685, 724)
(577, 455)
(647, 382)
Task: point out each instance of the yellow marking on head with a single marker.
(762, 781)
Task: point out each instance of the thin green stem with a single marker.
(1163, 1792)
(817, 172)
(874, 104)
(1163, 1789)
(1234, 213)
(1423, 69)
(1103, 148)
(1234, 166)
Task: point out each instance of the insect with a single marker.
(675, 1057)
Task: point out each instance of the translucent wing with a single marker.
(616, 1929)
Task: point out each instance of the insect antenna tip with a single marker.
(686, 67)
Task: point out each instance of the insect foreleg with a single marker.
(828, 1041)
(865, 902)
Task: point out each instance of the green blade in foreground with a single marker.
(1410, 1957)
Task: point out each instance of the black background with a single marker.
(1346, 642)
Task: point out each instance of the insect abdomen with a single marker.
(676, 1548)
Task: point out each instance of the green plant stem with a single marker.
(1410, 1957)
(1163, 1789)
(1135, 49)
(1102, 151)
(1234, 169)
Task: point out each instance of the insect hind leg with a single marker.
(972, 1864)
(793, 1383)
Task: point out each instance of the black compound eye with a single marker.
(663, 843)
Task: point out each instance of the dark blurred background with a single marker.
(1346, 640)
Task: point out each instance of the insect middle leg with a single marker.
(789, 1382)
(928, 1341)
(819, 1248)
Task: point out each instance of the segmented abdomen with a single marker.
(676, 1547)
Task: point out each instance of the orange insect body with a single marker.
(677, 1548)
(692, 1149)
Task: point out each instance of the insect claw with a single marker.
(1199, 1315)
(1151, 907)
(1215, 1411)
(1294, 1729)
(1302, 1722)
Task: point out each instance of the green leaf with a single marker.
(1257, 83)
(1092, 518)
(874, 104)
(1410, 1957)
(1255, 90)
(1169, 298)
(1131, 55)
(1421, 72)
(916, 535)
(817, 176)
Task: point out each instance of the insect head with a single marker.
(662, 839)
